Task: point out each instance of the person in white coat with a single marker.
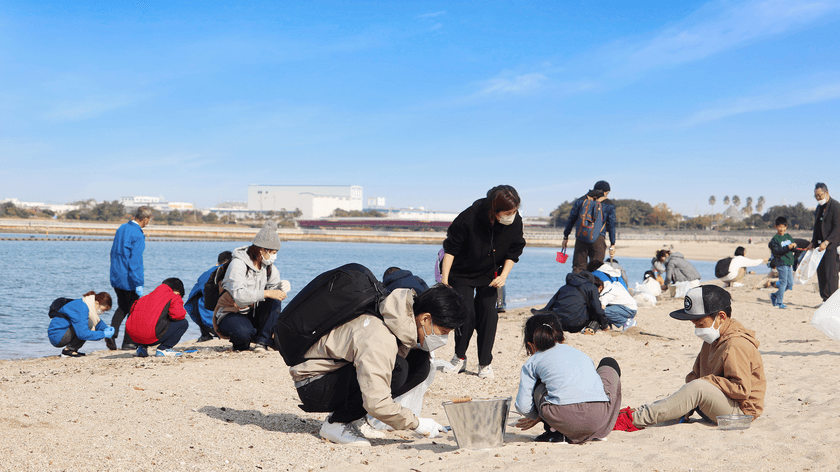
(738, 268)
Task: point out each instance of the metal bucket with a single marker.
(480, 423)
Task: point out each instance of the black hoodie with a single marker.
(481, 248)
(577, 303)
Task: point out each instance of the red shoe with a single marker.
(624, 422)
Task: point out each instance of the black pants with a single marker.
(482, 317)
(587, 252)
(339, 392)
(827, 273)
(125, 298)
(70, 340)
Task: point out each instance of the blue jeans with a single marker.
(617, 315)
(256, 326)
(785, 283)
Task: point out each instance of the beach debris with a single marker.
(138, 388)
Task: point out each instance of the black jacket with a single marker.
(481, 248)
(577, 303)
(830, 224)
(404, 279)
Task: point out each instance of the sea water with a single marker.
(34, 273)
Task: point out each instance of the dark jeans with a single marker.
(482, 317)
(173, 334)
(256, 326)
(339, 392)
(192, 308)
(827, 272)
(70, 340)
(586, 252)
(125, 298)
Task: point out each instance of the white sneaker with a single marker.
(737, 284)
(342, 433)
(456, 366)
(630, 323)
(367, 430)
(485, 372)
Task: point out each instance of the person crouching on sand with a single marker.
(159, 318)
(561, 387)
(728, 374)
(78, 321)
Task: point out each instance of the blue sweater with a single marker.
(568, 374)
(127, 257)
(195, 302)
(77, 316)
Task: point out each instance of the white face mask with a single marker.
(709, 335)
(823, 201)
(507, 220)
(432, 341)
(270, 259)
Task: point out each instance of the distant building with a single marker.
(733, 213)
(314, 201)
(133, 203)
(55, 208)
(376, 202)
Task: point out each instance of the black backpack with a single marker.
(722, 267)
(56, 305)
(212, 288)
(329, 300)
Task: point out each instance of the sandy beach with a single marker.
(219, 410)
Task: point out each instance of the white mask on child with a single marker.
(432, 341)
(709, 335)
(270, 259)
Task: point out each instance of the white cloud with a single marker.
(436, 26)
(775, 101)
(513, 85)
(431, 15)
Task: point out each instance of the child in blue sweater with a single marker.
(560, 386)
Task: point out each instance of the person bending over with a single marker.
(577, 304)
(159, 318)
(77, 321)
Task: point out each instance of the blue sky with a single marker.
(423, 103)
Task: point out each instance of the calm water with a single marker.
(34, 273)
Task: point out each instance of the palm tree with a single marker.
(748, 207)
(760, 205)
(736, 200)
(726, 200)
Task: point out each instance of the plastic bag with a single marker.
(827, 317)
(681, 288)
(808, 266)
(412, 399)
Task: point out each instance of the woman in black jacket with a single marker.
(481, 246)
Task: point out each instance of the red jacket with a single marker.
(150, 315)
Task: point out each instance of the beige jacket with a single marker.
(372, 345)
(734, 365)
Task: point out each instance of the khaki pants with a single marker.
(698, 394)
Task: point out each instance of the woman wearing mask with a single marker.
(481, 246)
(78, 321)
(248, 309)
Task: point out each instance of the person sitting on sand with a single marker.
(159, 318)
(360, 366)
(577, 304)
(78, 321)
(560, 386)
(738, 268)
(395, 278)
(194, 305)
(728, 374)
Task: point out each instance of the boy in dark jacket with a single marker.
(159, 318)
(782, 246)
(398, 278)
(577, 304)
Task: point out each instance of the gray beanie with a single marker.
(267, 237)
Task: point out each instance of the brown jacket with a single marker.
(734, 365)
(372, 345)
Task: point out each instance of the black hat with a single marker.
(703, 301)
(602, 185)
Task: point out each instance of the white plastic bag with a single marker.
(681, 288)
(412, 399)
(808, 266)
(827, 317)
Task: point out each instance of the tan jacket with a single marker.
(372, 345)
(734, 365)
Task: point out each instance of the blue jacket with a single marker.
(404, 279)
(77, 316)
(195, 302)
(127, 257)
(609, 218)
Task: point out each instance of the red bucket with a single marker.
(561, 256)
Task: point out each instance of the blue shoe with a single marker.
(781, 305)
(141, 352)
(773, 299)
(168, 353)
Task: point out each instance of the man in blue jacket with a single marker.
(127, 271)
(586, 252)
(195, 302)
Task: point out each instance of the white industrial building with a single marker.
(314, 201)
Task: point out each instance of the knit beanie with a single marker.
(602, 185)
(267, 237)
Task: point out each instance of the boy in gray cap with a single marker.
(728, 374)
